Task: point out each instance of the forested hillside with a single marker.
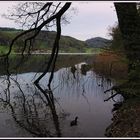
(43, 42)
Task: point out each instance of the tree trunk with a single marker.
(129, 24)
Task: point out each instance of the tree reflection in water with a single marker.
(29, 108)
(34, 106)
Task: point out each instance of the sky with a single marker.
(91, 19)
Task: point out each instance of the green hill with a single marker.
(43, 42)
(98, 42)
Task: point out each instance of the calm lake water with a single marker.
(76, 90)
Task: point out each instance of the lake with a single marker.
(27, 110)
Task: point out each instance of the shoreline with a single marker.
(60, 53)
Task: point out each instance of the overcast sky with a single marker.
(92, 19)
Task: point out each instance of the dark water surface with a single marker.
(25, 111)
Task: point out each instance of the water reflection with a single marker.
(47, 111)
(30, 109)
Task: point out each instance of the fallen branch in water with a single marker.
(116, 89)
(111, 97)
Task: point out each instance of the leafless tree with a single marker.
(37, 16)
